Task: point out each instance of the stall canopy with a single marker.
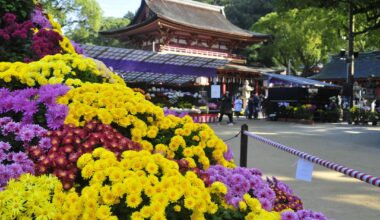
(153, 67)
(278, 80)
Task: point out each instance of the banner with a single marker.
(215, 91)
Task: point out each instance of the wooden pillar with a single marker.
(224, 88)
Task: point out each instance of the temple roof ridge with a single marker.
(198, 4)
(196, 17)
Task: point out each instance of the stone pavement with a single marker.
(339, 197)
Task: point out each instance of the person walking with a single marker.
(238, 105)
(226, 108)
(256, 106)
(250, 107)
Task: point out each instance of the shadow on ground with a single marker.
(336, 195)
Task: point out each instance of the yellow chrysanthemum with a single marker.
(133, 200)
(190, 203)
(103, 212)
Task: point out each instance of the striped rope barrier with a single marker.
(337, 167)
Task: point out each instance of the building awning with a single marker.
(279, 80)
(153, 67)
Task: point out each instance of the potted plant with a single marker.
(373, 117)
(364, 113)
(354, 115)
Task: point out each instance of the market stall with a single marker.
(292, 97)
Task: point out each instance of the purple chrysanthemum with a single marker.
(19, 157)
(288, 215)
(39, 18)
(26, 134)
(4, 121)
(45, 143)
(55, 116)
(11, 127)
(228, 155)
(266, 204)
(77, 47)
(4, 146)
(2, 156)
(240, 181)
(28, 102)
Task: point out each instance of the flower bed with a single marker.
(77, 143)
(363, 115)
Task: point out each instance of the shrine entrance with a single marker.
(242, 81)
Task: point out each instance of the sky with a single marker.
(118, 8)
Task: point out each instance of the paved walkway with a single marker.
(339, 197)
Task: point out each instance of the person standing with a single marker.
(238, 105)
(250, 107)
(256, 106)
(226, 108)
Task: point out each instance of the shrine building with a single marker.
(194, 30)
(186, 27)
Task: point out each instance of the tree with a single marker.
(303, 37)
(244, 13)
(130, 15)
(216, 2)
(75, 16)
(368, 11)
(107, 23)
(82, 20)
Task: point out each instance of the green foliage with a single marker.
(216, 2)
(82, 19)
(366, 13)
(329, 115)
(82, 16)
(306, 37)
(227, 214)
(373, 117)
(92, 37)
(130, 15)
(184, 104)
(244, 13)
(21, 8)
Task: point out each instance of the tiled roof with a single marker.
(153, 67)
(192, 14)
(366, 64)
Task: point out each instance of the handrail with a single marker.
(373, 180)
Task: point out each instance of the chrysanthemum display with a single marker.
(70, 142)
(109, 153)
(31, 197)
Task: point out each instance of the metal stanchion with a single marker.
(243, 146)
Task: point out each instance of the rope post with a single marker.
(243, 146)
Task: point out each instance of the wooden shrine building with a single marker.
(189, 28)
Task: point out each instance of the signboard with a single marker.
(304, 170)
(215, 91)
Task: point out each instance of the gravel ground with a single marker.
(339, 197)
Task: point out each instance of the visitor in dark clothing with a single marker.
(253, 107)
(226, 108)
(256, 103)
(250, 107)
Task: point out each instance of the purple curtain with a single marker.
(145, 67)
